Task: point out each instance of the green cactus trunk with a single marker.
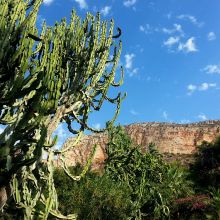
(57, 75)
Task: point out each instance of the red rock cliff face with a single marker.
(169, 138)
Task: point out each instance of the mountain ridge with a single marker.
(169, 138)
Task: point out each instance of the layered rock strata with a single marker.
(168, 137)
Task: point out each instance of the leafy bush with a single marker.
(135, 185)
(154, 183)
(205, 170)
(93, 197)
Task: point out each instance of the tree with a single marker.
(59, 75)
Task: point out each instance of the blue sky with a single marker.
(171, 56)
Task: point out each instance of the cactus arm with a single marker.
(59, 74)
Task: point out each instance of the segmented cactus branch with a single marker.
(61, 73)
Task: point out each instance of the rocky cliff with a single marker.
(169, 138)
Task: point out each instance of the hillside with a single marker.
(175, 141)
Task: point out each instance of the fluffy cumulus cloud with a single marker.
(129, 60)
(129, 3)
(176, 28)
(202, 117)
(171, 41)
(47, 2)
(105, 11)
(190, 18)
(189, 46)
(177, 40)
(211, 36)
(82, 4)
(202, 87)
(211, 69)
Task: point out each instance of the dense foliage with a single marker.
(93, 197)
(135, 185)
(206, 169)
(154, 183)
(141, 185)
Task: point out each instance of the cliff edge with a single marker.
(169, 138)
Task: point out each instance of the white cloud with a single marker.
(176, 28)
(129, 3)
(105, 11)
(206, 86)
(97, 126)
(210, 69)
(141, 28)
(133, 72)
(129, 60)
(202, 117)
(189, 46)
(133, 112)
(171, 41)
(202, 87)
(145, 28)
(48, 2)
(82, 4)
(211, 36)
(190, 18)
(191, 88)
(165, 115)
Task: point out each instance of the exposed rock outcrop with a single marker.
(169, 138)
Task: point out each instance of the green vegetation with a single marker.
(206, 169)
(154, 183)
(93, 197)
(59, 74)
(134, 185)
(62, 74)
(138, 185)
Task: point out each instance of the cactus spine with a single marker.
(60, 74)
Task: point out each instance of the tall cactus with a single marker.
(60, 74)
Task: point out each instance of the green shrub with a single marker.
(205, 170)
(93, 197)
(154, 183)
(135, 185)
